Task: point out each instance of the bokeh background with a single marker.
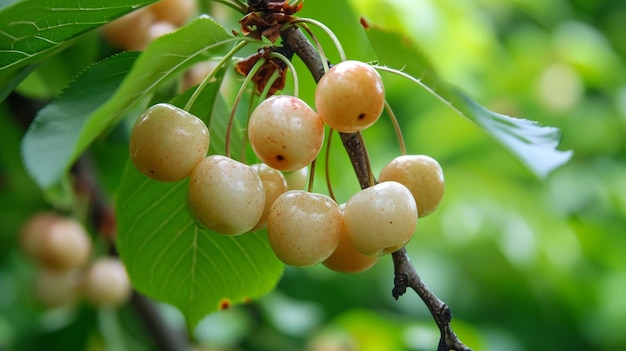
(524, 263)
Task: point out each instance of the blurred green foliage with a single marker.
(524, 264)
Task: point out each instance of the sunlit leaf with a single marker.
(86, 117)
(33, 29)
(531, 143)
(171, 259)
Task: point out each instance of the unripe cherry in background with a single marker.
(130, 32)
(55, 288)
(55, 242)
(137, 29)
(106, 283)
(175, 12)
(33, 229)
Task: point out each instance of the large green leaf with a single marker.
(87, 117)
(531, 143)
(31, 30)
(53, 134)
(171, 259)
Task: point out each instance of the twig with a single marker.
(405, 274)
(165, 337)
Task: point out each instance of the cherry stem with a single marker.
(331, 35)
(396, 128)
(421, 84)
(329, 185)
(405, 275)
(242, 89)
(292, 69)
(221, 64)
(311, 175)
(268, 85)
(318, 45)
(251, 105)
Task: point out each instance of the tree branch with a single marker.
(165, 337)
(405, 275)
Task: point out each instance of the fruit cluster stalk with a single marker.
(405, 274)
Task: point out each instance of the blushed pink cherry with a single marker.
(285, 133)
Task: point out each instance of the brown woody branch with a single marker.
(164, 336)
(405, 275)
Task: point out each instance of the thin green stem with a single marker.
(221, 64)
(296, 3)
(311, 175)
(327, 167)
(268, 85)
(318, 45)
(236, 5)
(420, 83)
(291, 69)
(396, 128)
(242, 89)
(331, 35)
(251, 105)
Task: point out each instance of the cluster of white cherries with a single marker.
(303, 228)
(62, 250)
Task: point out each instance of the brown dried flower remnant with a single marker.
(265, 18)
(262, 76)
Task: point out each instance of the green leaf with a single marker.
(31, 30)
(56, 72)
(531, 143)
(9, 82)
(164, 59)
(54, 132)
(171, 259)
